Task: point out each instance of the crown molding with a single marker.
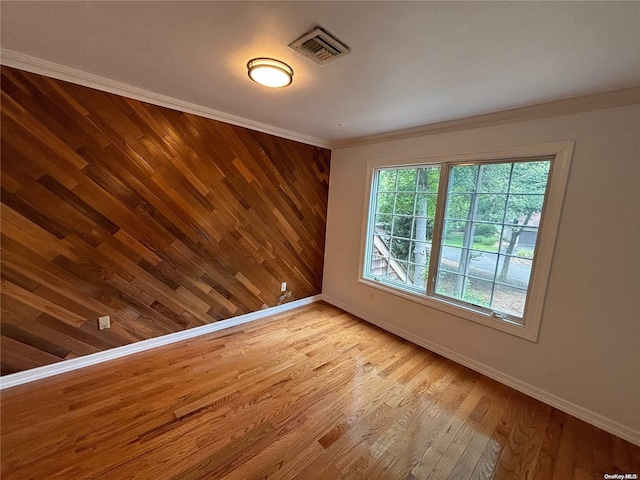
(599, 101)
(31, 64)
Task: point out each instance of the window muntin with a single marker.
(488, 207)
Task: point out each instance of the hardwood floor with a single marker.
(311, 394)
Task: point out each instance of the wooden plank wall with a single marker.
(161, 219)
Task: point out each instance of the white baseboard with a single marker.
(571, 408)
(64, 366)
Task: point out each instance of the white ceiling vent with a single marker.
(319, 46)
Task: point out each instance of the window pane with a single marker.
(398, 271)
(418, 274)
(514, 271)
(422, 229)
(384, 203)
(524, 209)
(482, 265)
(419, 253)
(527, 242)
(400, 248)
(509, 300)
(387, 180)
(490, 207)
(463, 179)
(477, 292)
(495, 178)
(407, 179)
(530, 177)
(454, 233)
(402, 227)
(426, 205)
(458, 206)
(382, 224)
(428, 179)
(378, 266)
(411, 271)
(457, 234)
(449, 284)
(404, 203)
(452, 259)
(519, 239)
(486, 236)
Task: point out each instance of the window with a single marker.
(472, 236)
(402, 229)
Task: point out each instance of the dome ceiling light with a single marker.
(270, 72)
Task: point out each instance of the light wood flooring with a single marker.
(313, 393)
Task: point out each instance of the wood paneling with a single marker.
(336, 398)
(161, 219)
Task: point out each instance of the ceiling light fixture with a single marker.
(269, 72)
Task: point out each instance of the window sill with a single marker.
(522, 331)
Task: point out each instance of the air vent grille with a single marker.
(319, 46)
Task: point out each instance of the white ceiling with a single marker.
(411, 63)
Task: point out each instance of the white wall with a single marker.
(587, 358)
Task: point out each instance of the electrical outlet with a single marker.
(283, 287)
(104, 322)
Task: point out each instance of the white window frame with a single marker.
(561, 154)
